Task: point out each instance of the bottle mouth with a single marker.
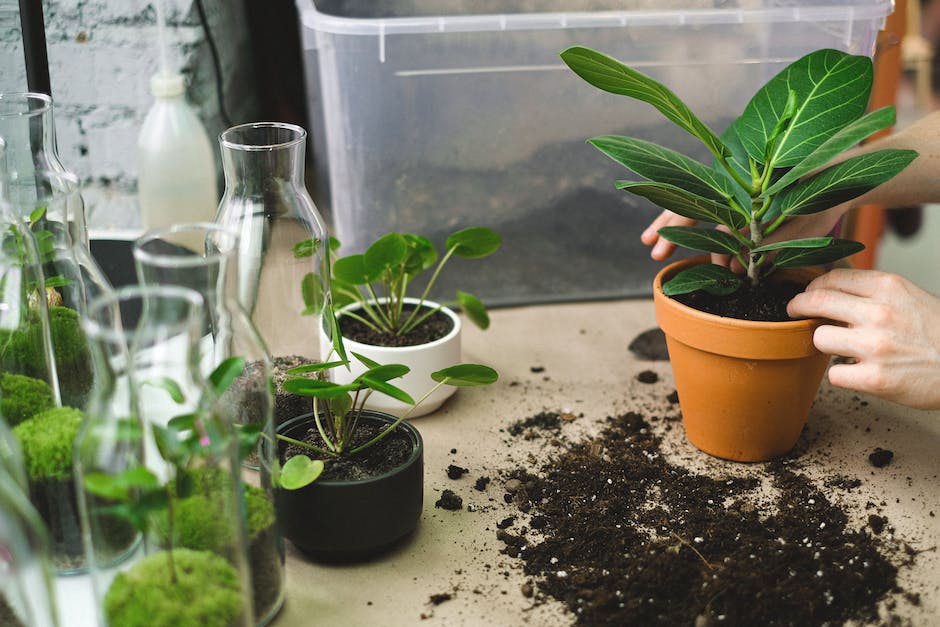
(24, 104)
(167, 85)
(262, 136)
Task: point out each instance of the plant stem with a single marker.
(312, 447)
(395, 424)
(753, 265)
(427, 290)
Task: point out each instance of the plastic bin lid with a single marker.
(367, 17)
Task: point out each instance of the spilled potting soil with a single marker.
(621, 536)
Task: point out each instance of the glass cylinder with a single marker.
(164, 257)
(283, 256)
(185, 495)
(27, 594)
(27, 128)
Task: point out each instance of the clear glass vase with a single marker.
(165, 257)
(283, 256)
(27, 594)
(27, 128)
(184, 496)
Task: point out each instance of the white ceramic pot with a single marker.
(422, 360)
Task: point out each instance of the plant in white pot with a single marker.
(780, 159)
(380, 321)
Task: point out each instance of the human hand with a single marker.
(888, 325)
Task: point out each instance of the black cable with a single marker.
(220, 92)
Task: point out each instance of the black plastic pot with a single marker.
(331, 520)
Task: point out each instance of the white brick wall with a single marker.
(102, 54)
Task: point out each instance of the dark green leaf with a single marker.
(421, 254)
(384, 372)
(334, 243)
(316, 388)
(703, 239)
(800, 257)
(340, 405)
(225, 374)
(183, 422)
(311, 289)
(387, 252)
(353, 270)
(388, 389)
(300, 471)
(474, 309)
(610, 75)
(338, 347)
(663, 165)
(317, 367)
(168, 444)
(810, 242)
(57, 281)
(685, 204)
(170, 386)
(847, 137)
(365, 361)
(466, 375)
(832, 88)
(474, 242)
(306, 248)
(842, 182)
(709, 277)
(36, 214)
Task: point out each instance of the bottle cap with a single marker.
(167, 85)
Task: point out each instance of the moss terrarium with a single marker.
(47, 439)
(205, 592)
(23, 397)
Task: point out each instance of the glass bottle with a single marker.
(165, 257)
(184, 495)
(27, 594)
(28, 130)
(283, 256)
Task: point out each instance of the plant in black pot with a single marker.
(352, 479)
(378, 319)
(780, 159)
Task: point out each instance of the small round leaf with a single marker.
(300, 471)
(474, 309)
(466, 375)
(474, 242)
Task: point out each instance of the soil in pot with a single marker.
(767, 303)
(390, 453)
(287, 405)
(436, 326)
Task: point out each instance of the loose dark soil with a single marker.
(623, 537)
(650, 345)
(879, 458)
(456, 472)
(437, 325)
(449, 500)
(647, 376)
(767, 303)
(386, 455)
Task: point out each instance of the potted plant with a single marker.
(745, 386)
(352, 479)
(379, 320)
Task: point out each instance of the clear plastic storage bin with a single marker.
(428, 116)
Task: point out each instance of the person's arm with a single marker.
(886, 324)
(917, 184)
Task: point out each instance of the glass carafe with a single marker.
(165, 257)
(185, 495)
(283, 264)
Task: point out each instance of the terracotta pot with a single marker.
(423, 359)
(338, 521)
(745, 388)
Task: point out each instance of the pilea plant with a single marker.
(378, 279)
(772, 163)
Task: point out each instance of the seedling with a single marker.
(773, 163)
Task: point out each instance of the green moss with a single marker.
(206, 594)
(22, 397)
(46, 440)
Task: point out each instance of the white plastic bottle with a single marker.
(175, 168)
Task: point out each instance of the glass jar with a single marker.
(27, 128)
(185, 495)
(283, 254)
(166, 257)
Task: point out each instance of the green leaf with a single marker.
(343, 292)
(709, 277)
(183, 422)
(663, 165)
(168, 444)
(317, 388)
(387, 389)
(474, 309)
(300, 471)
(684, 203)
(842, 182)
(421, 254)
(36, 214)
(847, 137)
(225, 374)
(248, 436)
(385, 253)
(317, 367)
(832, 88)
(466, 375)
(474, 242)
(340, 405)
(57, 281)
(365, 361)
(801, 257)
(384, 372)
(353, 270)
(703, 239)
(335, 334)
(612, 76)
(306, 248)
(311, 289)
(170, 386)
(810, 242)
(334, 243)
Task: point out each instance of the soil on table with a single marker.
(388, 454)
(621, 536)
(766, 303)
(436, 326)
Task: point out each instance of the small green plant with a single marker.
(338, 408)
(770, 165)
(378, 279)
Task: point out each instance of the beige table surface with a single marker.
(588, 369)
